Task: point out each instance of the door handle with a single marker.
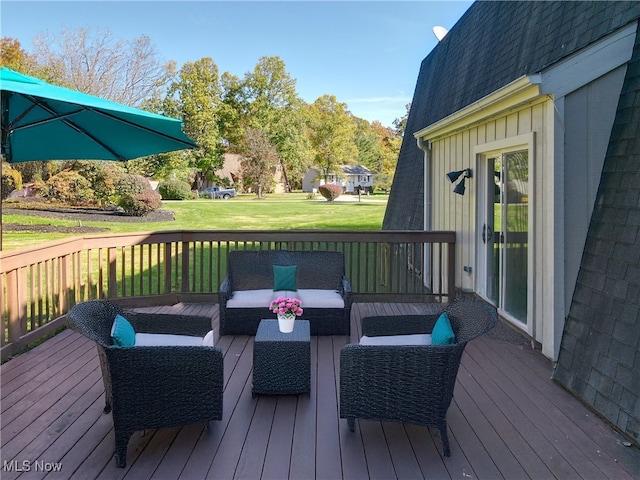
(487, 233)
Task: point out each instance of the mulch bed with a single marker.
(80, 215)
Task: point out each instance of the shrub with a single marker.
(140, 204)
(132, 184)
(330, 191)
(103, 177)
(11, 180)
(68, 187)
(175, 190)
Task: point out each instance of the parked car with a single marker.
(217, 192)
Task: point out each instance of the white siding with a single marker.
(564, 114)
(458, 213)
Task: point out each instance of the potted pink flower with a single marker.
(287, 309)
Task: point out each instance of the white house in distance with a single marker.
(349, 177)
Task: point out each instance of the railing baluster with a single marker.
(42, 282)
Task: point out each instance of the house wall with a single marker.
(569, 122)
(592, 109)
(599, 359)
(568, 149)
(310, 180)
(314, 178)
(531, 122)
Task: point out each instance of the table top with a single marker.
(268, 331)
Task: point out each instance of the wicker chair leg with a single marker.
(351, 421)
(122, 440)
(445, 440)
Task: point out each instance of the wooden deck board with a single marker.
(508, 420)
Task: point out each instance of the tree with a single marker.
(389, 143)
(196, 97)
(232, 112)
(259, 161)
(367, 141)
(266, 99)
(125, 71)
(401, 123)
(331, 133)
(13, 56)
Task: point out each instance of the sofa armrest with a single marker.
(225, 292)
(346, 286)
(398, 324)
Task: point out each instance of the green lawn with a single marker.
(245, 212)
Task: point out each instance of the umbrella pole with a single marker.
(4, 122)
(1, 162)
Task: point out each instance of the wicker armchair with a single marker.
(152, 387)
(411, 384)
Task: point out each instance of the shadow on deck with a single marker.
(507, 420)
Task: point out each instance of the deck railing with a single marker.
(40, 284)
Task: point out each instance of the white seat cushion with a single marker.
(315, 298)
(415, 339)
(254, 298)
(164, 340)
(207, 341)
(309, 297)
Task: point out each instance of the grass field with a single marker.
(245, 212)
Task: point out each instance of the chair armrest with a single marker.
(143, 322)
(398, 324)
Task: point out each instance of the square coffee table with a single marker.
(282, 361)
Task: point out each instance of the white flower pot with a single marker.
(285, 322)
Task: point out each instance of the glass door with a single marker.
(514, 240)
(505, 232)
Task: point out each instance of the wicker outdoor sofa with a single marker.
(320, 283)
(149, 387)
(408, 383)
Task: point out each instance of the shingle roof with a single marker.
(493, 44)
(356, 170)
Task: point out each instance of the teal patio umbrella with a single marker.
(41, 121)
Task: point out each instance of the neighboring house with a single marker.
(541, 100)
(231, 168)
(349, 177)
(232, 172)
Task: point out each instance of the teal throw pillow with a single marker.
(284, 277)
(122, 332)
(442, 333)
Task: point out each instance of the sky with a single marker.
(366, 53)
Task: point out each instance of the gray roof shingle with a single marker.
(492, 44)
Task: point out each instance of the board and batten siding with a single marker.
(564, 116)
(459, 212)
(568, 137)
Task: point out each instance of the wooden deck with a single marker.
(507, 420)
